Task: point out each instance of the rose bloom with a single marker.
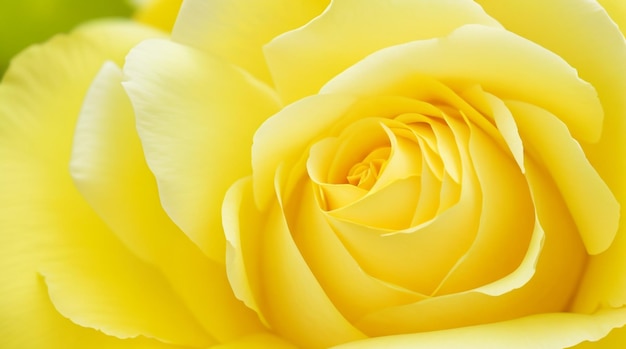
(291, 173)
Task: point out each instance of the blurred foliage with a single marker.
(24, 22)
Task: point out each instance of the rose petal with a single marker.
(391, 207)
(289, 297)
(503, 64)
(554, 330)
(591, 203)
(241, 220)
(195, 130)
(159, 13)
(506, 125)
(236, 30)
(506, 216)
(37, 193)
(303, 60)
(351, 289)
(94, 281)
(398, 256)
(587, 38)
(257, 341)
(109, 170)
(298, 125)
(617, 10)
(554, 282)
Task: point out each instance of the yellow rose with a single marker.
(291, 173)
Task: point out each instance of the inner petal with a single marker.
(365, 173)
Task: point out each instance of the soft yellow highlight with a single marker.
(109, 169)
(236, 30)
(349, 30)
(68, 243)
(193, 175)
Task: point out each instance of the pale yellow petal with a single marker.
(293, 301)
(506, 125)
(591, 203)
(352, 290)
(506, 217)
(196, 116)
(236, 30)
(303, 60)
(77, 63)
(391, 207)
(586, 37)
(109, 169)
(617, 11)
(397, 256)
(550, 288)
(241, 220)
(298, 125)
(504, 64)
(554, 330)
(94, 281)
(39, 104)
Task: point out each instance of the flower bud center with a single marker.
(365, 173)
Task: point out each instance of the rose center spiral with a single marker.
(365, 173)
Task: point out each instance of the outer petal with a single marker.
(552, 330)
(277, 279)
(159, 13)
(617, 11)
(195, 116)
(504, 64)
(586, 37)
(257, 341)
(303, 60)
(45, 226)
(110, 171)
(548, 139)
(236, 30)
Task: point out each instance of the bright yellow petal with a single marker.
(550, 289)
(397, 256)
(289, 298)
(590, 201)
(241, 220)
(303, 60)
(159, 13)
(554, 330)
(297, 124)
(353, 291)
(109, 169)
(507, 127)
(236, 30)
(504, 64)
(585, 36)
(506, 206)
(258, 341)
(196, 116)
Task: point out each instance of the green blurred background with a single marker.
(24, 22)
